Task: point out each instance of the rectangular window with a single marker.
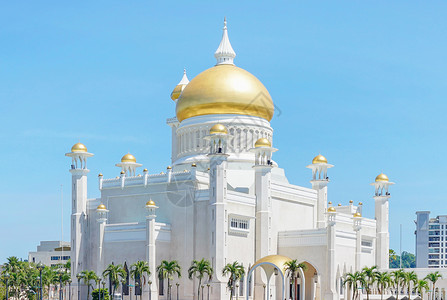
(239, 224)
(55, 257)
(366, 243)
(161, 286)
(65, 257)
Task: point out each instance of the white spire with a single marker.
(185, 79)
(225, 53)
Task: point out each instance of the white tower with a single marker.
(218, 138)
(357, 226)
(150, 247)
(101, 211)
(128, 165)
(79, 173)
(225, 53)
(330, 290)
(381, 196)
(319, 183)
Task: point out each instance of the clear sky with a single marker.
(362, 82)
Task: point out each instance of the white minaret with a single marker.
(330, 291)
(381, 196)
(79, 173)
(218, 138)
(150, 247)
(319, 183)
(225, 54)
(101, 212)
(357, 226)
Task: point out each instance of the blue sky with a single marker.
(362, 82)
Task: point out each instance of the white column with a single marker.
(321, 187)
(151, 255)
(217, 211)
(382, 231)
(330, 292)
(100, 263)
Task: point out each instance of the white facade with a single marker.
(225, 200)
(51, 253)
(431, 240)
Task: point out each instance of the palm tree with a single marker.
(383, 281)
(115, 273)
(397, 276)
(354, 281)
(167, 270)
(433, 277)
(292, 267)
(137, 270)
(370, 275)
(87, 276)
(235, 271)
(408, 279)
(49, 277)
(420, 286)
(199, 269)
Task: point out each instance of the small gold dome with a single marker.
(139, 175)
(357, 215)
(339, 204)
(128, 158)
(360, 203)
(193, 165)
(218, 129)
(350, 201)
(122, 172)
(169, 168)
(150, 203)
(145, 170)
(331, 209)
(100, 175)
(319, 159)
(225, 89)
(78, 147)
(101, 207)
(263, 142)
(382, 177)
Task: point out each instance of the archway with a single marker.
(310, 284)
(272, 265)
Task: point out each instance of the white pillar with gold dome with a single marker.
(381, 197)
(218, 136)
(128, 165)
(101, 212)
(357, 226)
(319, 183)
(150, 248)
(330, 290)
(79, 173)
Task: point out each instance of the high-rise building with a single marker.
(431, 240)
(51, 253)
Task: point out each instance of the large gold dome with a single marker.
(225, 89)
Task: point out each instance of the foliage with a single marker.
(104, 294)
(199, 269)
(409, 279)
(167, 270)
(421, 286)
(137, 271)
(433, 277)
(87, 277)
(354, 281)
(235, 271)
(408, 260)
(116, 273)
(292, 267)
(370, 275)
(383, 281)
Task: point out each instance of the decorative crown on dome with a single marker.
(78, 147)
(180, 86)
(225, 53)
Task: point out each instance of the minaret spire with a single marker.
(225, 53)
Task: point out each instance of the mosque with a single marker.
(224, 199)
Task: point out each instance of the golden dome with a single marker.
(101, 206)
(180, 87)
(145, 170)
(319, 159)
(357, 215)
(78, 147)
(193, 165)
(122, 172)
(128, 158)
(263, 142)
(100, 175)
(382, 177)
(225, 89)
(350, 201)
(360, 203)
(331, 209)
(150, 203)
(278, 261)
(218, 129)
(330, 202)
(339, 204)
(169, 168)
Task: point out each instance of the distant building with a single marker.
(51, 253)
(431, 240)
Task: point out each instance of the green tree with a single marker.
(104, 294)
(167, 270)
(383, 281)
(49, 277)
(433, 277)
(235, 271)
(421, 286)
(116, 273)
(397, 277)
(292, 268)
(409, 278)
(88, 276)
(198, 269)
(354, 281)
(370, 275)
(137, 271)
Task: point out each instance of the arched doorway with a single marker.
(272, 265)
(310, 284)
